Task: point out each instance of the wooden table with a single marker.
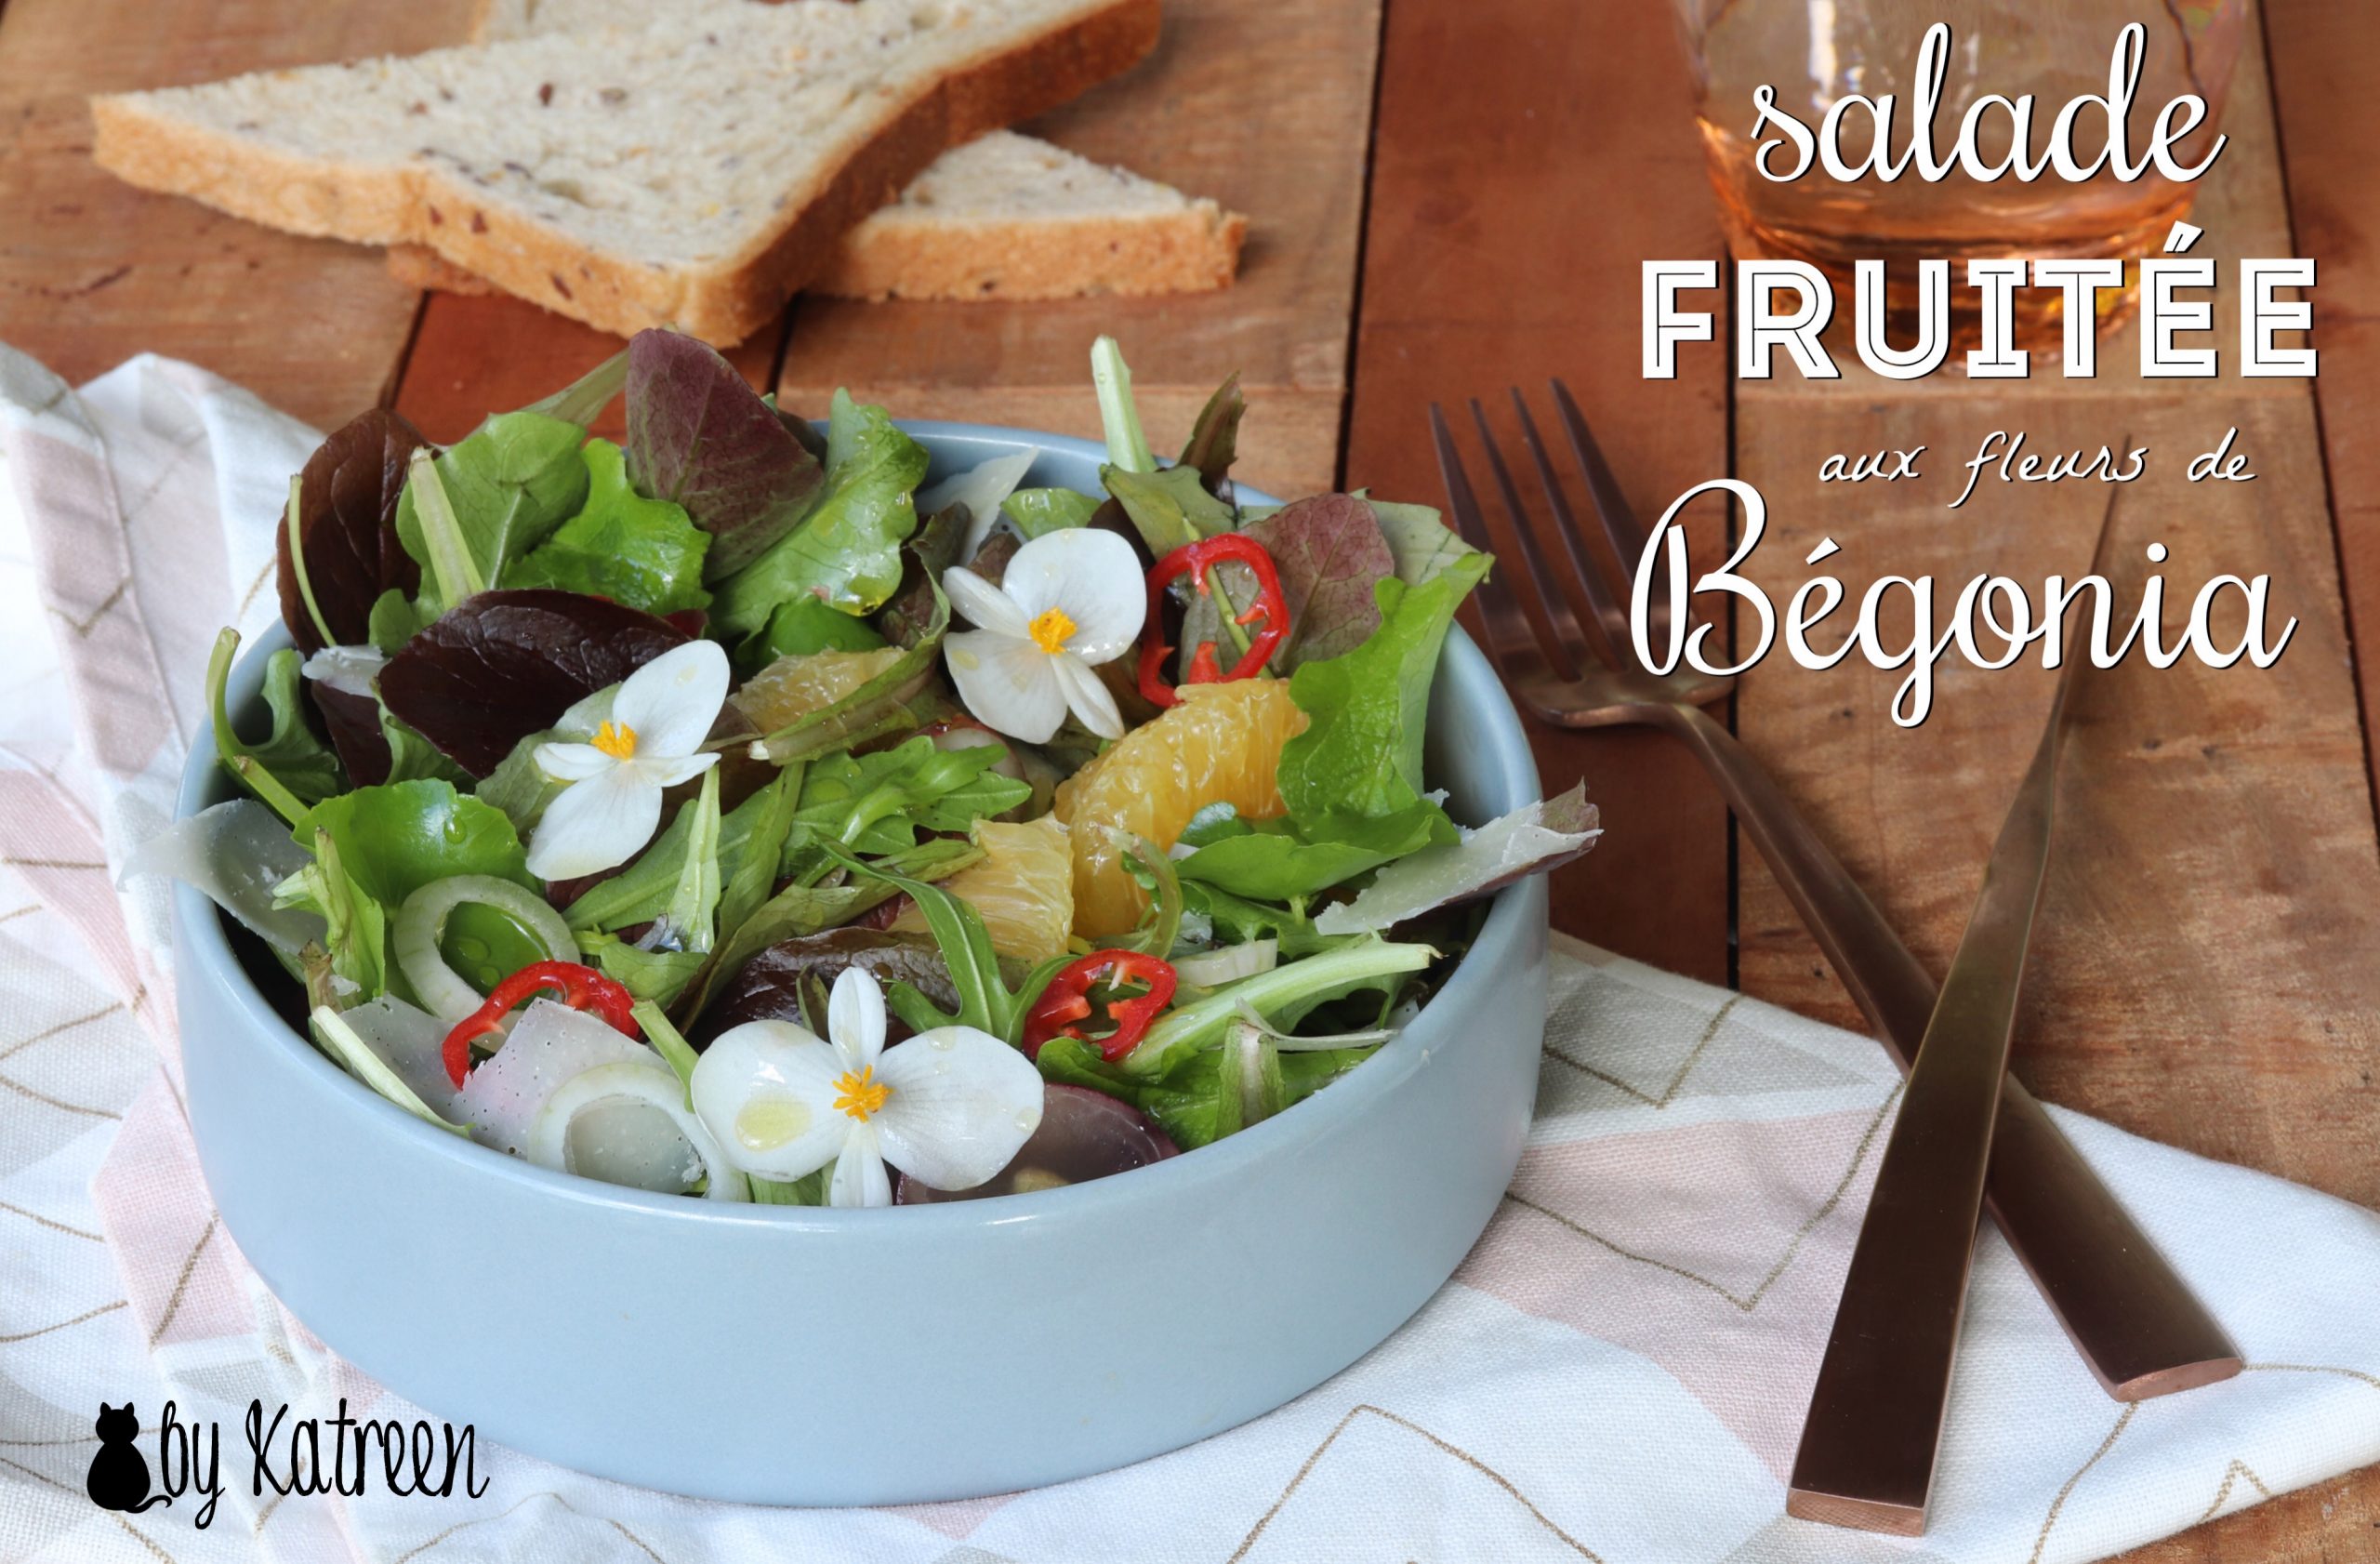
(2209, 967)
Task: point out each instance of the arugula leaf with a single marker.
(877, 802)
(846, 551)
(289, 768)
(1282, 995)
(1039, 511)
(1361, 751)
(1236, 920)
(1119, 418)
(1169, 509)
(694, 902)
(1214, 444)
(1210, 1094)
(748, 855)
(802, 909)
(1292, 857)
(643, 553)
(700, 437)
(986, 1001)
(653, 976)
(642, 891)
(395, 620)
(514, 481)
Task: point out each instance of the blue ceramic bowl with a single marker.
(800, 1356)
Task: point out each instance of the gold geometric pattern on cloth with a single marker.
(1793, 1247)
(1305, 1469)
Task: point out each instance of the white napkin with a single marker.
(1618, 1373)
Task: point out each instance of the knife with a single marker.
(1868, 1448)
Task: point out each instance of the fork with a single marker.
(1568, 658)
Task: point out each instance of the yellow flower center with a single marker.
(860, 1095)
(1049, 629)
(618, 740)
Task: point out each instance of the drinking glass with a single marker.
(1814, 52)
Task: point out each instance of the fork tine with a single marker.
(1518, 653)
(1548, 610)
(1619, 524)
(1588, 584)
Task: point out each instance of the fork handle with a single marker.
(2134, 1319)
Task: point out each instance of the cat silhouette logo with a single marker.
(119, 1479)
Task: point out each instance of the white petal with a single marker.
(961, 1103)
(595, 825)
(1090, 575)
(1087, 696)
(766, 1089)
(672, 701)
(1010, 684)
(855, 1018)
(859, 1178)
(980, 488)
(667, 771)
(572, 763)
(983, 605)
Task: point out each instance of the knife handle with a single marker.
(2135, 1320)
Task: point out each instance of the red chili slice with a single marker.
(1065, 1004)
(1193, 560)
(581, 988)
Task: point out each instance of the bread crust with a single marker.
(722, 302)
(1194, 250)
(1191, 251)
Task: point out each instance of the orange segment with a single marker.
(1221, 745)
(800, 682)
(1023, 887)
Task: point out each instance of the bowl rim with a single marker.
(201, 931)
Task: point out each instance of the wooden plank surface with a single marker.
(1281, 140)
(2202, 971)
(93, 271)
(1507, 229)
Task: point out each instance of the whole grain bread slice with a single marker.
(1004, 216)
(537, 162)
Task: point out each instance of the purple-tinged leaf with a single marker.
(700, 436)
(347, 514)
(501, 666)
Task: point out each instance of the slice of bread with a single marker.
(1003, 216)
(693, 173)
(1008, 217)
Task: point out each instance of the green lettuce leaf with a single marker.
(806, 625)
(1292, 858)
(1037, 511)
(1361, 751)
(643, 553)
(512, 482)
(400, 836)
(846, 551)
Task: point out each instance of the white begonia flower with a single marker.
(1069, 601)
(612, 802)
(949, 1107)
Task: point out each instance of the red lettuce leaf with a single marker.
(347, 515)
(700, 436)
(501, 666)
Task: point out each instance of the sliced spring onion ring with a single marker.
(644, 1139)
(421, 924)
(1229, 965)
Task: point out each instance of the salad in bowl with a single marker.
(726, 811)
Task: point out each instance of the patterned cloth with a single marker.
(1618, 1373)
